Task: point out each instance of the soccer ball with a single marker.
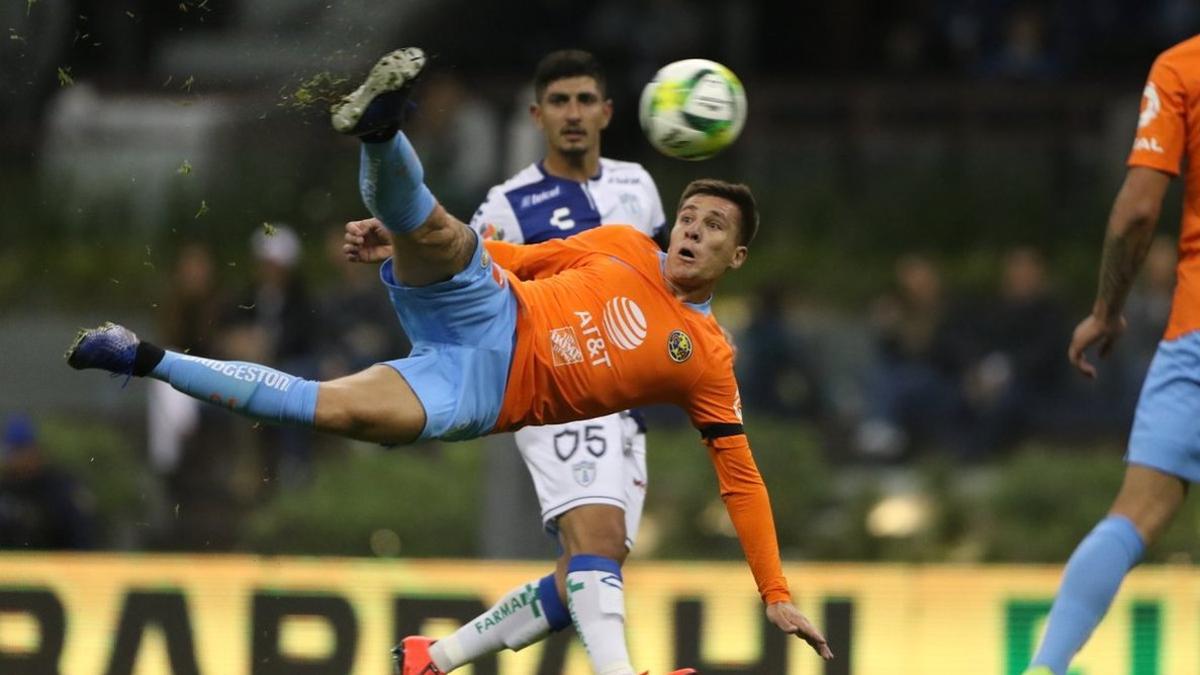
(692, 109)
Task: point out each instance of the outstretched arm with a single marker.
(749, 507)
(1130, 229)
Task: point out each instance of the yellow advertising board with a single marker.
(229, 615)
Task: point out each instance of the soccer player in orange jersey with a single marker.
(506, 336)
(1164, 447)
(589, 475)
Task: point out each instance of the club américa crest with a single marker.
(679, 346)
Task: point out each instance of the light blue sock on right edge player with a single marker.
(1090, 582)
(391, 182)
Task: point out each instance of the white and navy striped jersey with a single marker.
(534, 206)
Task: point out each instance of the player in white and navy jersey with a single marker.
(538, 203)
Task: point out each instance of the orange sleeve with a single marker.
(745, 497)
(1162, 123)
(533, 261)
(537, 261)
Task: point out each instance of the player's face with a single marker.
(704, 242)
(571, 113)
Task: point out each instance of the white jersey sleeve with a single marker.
(626, 195)
(658, 219)
(495, 219)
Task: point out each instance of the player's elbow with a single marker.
(1142, 214)
(743, 489)
(1139, 202)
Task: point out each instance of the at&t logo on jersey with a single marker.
(679, 346)
(596, 348)
(625, 323)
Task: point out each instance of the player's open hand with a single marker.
(1093, 331)
(367, 241)
(790, 620)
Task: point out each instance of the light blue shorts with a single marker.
(462, 332)
(1166, 427)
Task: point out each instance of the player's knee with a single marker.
(338, 411)
(353, 411)
(595, 530)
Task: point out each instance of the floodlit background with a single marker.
(934, 178)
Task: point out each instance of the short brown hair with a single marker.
(738, 193)
(566, 63)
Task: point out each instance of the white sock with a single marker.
(596, 598)
(525, 615)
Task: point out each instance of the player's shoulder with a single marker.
(530, 175)
(712, 341)
(618, 172)
(618, 233)
(1188, 49)
(1183, 58)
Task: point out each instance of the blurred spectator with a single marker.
(914, 395)
(457, 135)
(1016, 384)
(524, 142)
(276, 323)
(41, 505)
(776, 372)
(1023, 52)
(189, 316)
(359, 327)
(191, 446)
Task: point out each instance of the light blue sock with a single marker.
(1090, 581)
(248, 388)
(391, 182)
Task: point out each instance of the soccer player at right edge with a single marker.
(1164, 447)
(506, 336)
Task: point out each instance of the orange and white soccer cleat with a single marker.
(411, 657)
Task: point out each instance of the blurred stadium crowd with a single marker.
(933, 173)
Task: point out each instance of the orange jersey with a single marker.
(1168, 132)
(599, 330)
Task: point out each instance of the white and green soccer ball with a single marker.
(693, 109)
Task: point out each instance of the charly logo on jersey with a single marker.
(625, 323)
(561, 218)
(1151, 105)
(584, 472)
(679, 346)
(564, 348)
